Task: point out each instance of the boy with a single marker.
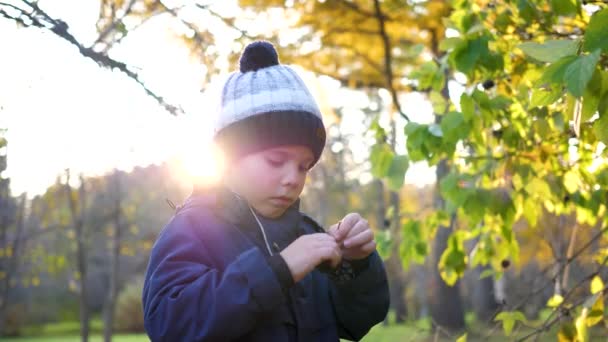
(239, 262)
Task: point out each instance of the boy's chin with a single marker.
(271, 211)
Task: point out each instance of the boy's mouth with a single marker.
(281, 200)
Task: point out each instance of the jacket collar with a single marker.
(234, 209)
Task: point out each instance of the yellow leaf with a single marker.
(597, 285)
(462, 338)
(555, 301)
(581, 327)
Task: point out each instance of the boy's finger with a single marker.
(361, 226)
(369, 247)
(349, 221)
(323, 237)
(338, 231)
(359, 239)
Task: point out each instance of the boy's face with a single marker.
(271, 180)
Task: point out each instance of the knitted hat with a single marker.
(265, 105)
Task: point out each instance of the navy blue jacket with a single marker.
(211, 278)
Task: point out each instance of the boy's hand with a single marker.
(355, 237)
(308, 251)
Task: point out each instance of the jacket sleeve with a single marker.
(186, 299)
(362, 301)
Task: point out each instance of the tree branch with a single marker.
(106, 32)
(60, 28)
(387, 59)
(549, 322)
(353, 6)
(227, 21)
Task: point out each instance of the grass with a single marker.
(410, 331)
(76, 338)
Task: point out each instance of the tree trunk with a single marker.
(77, 213)
(394, 266)
(12, 264)
(324, 205)
(445, 302)
(483, 296)
(108, 324)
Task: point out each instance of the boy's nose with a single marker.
(292, 177)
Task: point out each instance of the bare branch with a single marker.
(550, 321)
(388, 59)
(567, 262)
(226, 21)
(41, 19)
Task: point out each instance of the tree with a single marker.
(11, 229)
(30, 14)
(76, 200)
(116, 242)
(530, 119)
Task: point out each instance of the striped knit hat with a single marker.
(265, 105)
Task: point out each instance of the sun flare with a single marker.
(202, 165)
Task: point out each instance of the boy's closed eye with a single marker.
(278, 159)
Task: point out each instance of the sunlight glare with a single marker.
(202, 165)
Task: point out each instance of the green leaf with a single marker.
(396, 172)
(591, 97)
(438, 81)
(467, 106)
(526, 10)
(425, 74)
(466, 55)
(381, 158)
(508, 319)
(600, 127)
(414, 50)
(413, 246)
(454, 127)
(596, 34)
(579, 72)
(487, 273)
(451, 43)
(542, 97)
(551, 50)
(438, 101)
(567, 332)
(455, 188)
(384, 243)
(538, 187)
(416, 137)
(453, 261)
(554, 73)
(565, 7)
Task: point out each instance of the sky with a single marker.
(62, 110)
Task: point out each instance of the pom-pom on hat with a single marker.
(266, 104)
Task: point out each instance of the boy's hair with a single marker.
(265, 105)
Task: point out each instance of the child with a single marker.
(238, 261)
